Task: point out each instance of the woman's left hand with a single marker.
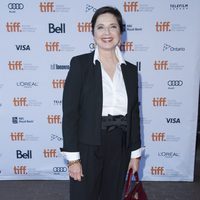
(134, 164)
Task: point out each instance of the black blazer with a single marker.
(82, 104)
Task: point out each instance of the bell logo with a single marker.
(17, 136)
(84, 27)
(56, 29)
(49, 153)
(131, 6)
(161, 65)
(126, 46)
(158, 137)
(159, 101)
(157, 170)
(54, 119)
(13, 27)
(162, 26)
(27, 155)
(46, 7)
(52, 46)
(20, 101)
(138, 64)
(58, 83)
(20, 169)
(15, 65)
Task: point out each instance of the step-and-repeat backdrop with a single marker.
(38, 39)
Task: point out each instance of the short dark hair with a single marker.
(111, 10)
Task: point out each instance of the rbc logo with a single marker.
(56, 29)
(14, 120)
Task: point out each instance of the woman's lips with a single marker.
(107, 39)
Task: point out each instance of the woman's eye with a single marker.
(113, 27)
(100, 27)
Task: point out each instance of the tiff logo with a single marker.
(52, 46)
(13, 27)
(54, 119)
(162, 26)
(20, 169)
(84, 27)
(159, 101)
(126, 46)
(157, 170)
(161, 65)
(46, 7)
(15, 65)
(20, 101)
(131, 6)
(158, 137)
(17, 136)
(58, 83)
(49, 153)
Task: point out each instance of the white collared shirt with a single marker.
(114, 98)
(114, 92)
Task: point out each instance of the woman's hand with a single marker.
(75, 171)
(134, 164)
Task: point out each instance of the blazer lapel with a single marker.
(125, 74)
(98, 87)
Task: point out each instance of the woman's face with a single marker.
(107, 32)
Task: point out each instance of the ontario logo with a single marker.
(167, 47)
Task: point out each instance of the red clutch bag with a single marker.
(137, 191)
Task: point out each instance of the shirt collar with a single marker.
(118, 54)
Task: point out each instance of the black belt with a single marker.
(111, 122)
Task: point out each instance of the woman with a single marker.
(101, 131)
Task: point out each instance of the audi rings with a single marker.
(173, 83)
(16, 6)
(60, 169)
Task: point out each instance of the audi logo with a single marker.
(175, 83)
(92, 46)
(16, 6)
(60, 169)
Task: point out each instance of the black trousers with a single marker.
(104, 169)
